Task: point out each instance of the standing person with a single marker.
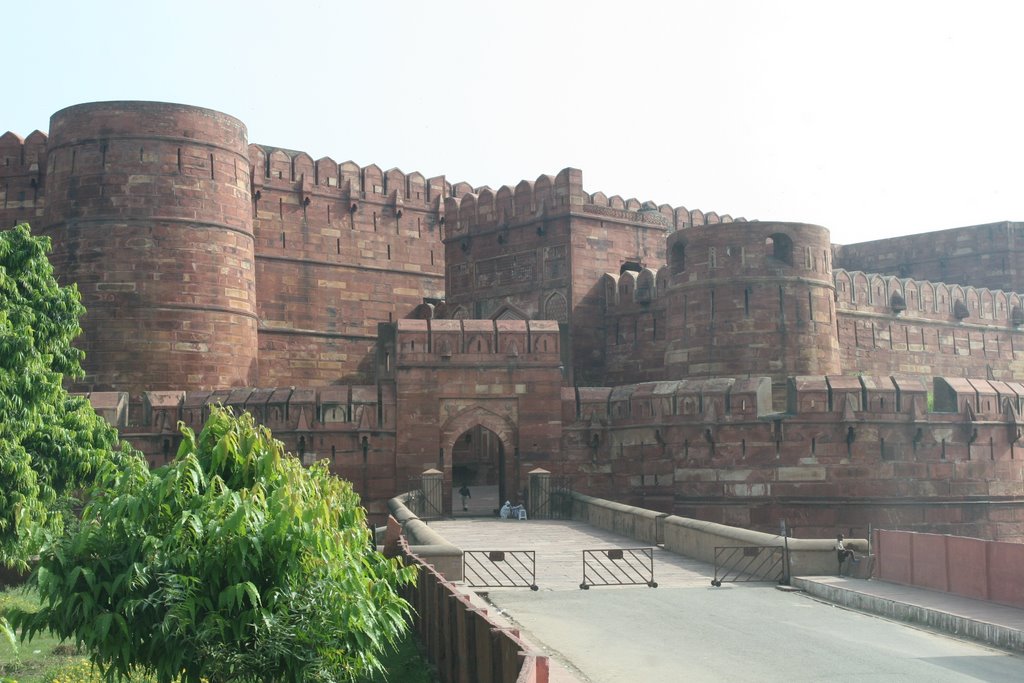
(464, 492)
(842, 552)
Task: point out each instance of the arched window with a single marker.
(556, 308)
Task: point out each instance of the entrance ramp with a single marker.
(558, 546)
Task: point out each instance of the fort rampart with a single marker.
(989, 255)
(849, 452)
(731, 370)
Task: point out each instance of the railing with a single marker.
(554, 501)
(618, 567)
(462, 640)
(698, 539)
(500, 568)
(423, 492)
(739, 564)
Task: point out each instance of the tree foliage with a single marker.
(231, 563)
(51, 443)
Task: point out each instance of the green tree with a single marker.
(51, 443)
(231, 563)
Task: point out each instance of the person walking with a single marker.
(464, 492)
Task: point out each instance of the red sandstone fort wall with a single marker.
(539, 250)
(506, 251)
(210, 266)
(990, 255)
(852, 452)
(892, 325)
(339, 249)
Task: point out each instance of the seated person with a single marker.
(842, 552)
(506, 510)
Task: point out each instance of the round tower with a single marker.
(751, 299)
(148, 206)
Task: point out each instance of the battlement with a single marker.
(477, 341)
(467, 208)
(22, 155)
(277, 167)
(845, 398)
(633, 210)
(466, 211)
(22, 177)
(923, 299)
(631, 289)
(342, 407)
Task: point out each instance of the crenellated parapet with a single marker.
(23, 156)
(633, 210)
(274, 167)
(286, 409)
(477, 341)
(22, 177)
(925, 300)
(631, 289)
(314, 423)
(717, 442)
(845, 399)
(469, 210)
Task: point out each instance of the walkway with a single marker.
(687, 630)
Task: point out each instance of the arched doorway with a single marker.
(478, 449)
(478, 463)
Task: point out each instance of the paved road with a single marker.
(685, 630)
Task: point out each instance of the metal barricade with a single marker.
(555, 502)
(618, 567)
(500, 568)
(739, 564)
(423, 493)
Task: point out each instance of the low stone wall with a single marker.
(426, 543)
(627, 520)
(698, 539)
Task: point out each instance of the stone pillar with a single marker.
(433, 492)
(539, 503)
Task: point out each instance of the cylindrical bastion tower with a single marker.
(751, 298)
(148, 206)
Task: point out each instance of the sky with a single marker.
(874, 119)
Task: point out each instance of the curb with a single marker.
(996, 635)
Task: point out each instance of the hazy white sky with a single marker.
(871, 118)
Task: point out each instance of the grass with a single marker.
(47, 660)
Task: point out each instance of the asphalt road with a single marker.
(738, 633)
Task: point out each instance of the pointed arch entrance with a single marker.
(479, 450)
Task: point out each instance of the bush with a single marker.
(232, 563)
